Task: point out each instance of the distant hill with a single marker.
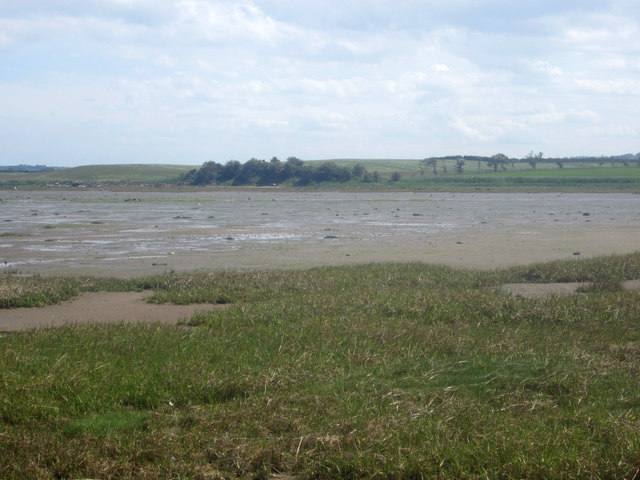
(95, 175)
(27, 168)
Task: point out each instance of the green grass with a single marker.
(383, 370)
(578, 173)
(106, 424)
(575, 176)
(383, 166)
(130, 174)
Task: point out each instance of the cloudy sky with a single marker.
(186, 81)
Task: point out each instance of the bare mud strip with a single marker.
(541, 290)
(101, 307)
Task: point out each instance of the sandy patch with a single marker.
(631, 284)
(541, 290)
(101, 307)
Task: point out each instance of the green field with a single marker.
(368, 371)
(94, 175)
(555, 179)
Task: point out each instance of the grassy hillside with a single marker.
(383, 166)
(367, 371)
(130, 174)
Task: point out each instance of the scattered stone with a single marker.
(576, 253)
(330, 236)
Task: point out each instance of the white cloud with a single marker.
(621, 86)
(546, 67)
(197, 80)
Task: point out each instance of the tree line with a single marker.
(500, 161)
(275, 172)
(295, 172)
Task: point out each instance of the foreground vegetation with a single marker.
(369, 371)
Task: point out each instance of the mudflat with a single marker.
(131, 234)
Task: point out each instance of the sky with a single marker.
(187, 81)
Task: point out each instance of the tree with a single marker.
(533, 158)
(560, 163)
(330, 172)
(460, 165)
(207, 174)
(433, 163)
(424, 163)
(292, 167)
(305, 176)
(498, 160)
(229, 170)
(357, 170)
(190, 176)
(395, 176)
(250, 172)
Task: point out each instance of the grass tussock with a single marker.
(388, 371)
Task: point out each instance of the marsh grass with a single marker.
(388, 371)
(106, 424)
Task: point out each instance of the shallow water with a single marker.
(117, 233)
